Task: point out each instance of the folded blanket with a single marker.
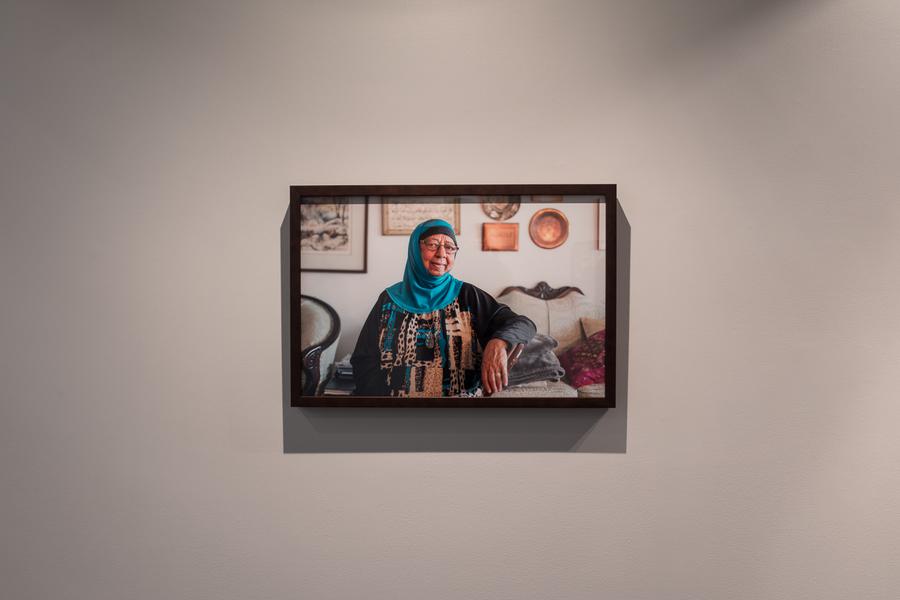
(537, 362)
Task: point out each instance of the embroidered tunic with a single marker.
(437, 353)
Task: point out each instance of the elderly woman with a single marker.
(432, 334)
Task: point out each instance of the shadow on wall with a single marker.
(675, 30)
(452, 429)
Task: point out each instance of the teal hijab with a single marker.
(420, 291)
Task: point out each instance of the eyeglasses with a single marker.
(433, 246)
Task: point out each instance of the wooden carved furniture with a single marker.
(320, 330)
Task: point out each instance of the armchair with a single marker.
(320, 330)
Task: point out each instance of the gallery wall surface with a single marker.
(146, 152)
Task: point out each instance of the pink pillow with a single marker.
(585, 363)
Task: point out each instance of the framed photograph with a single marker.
(332, 234)
(415, 330)
(400, 215)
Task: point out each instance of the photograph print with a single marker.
(463, 309)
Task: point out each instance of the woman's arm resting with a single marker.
(503, 330)
(494, 373)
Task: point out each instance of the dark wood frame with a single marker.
(365, 264)
(613, 212)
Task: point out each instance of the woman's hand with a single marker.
(493, 366)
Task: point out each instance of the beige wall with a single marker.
(147, 150)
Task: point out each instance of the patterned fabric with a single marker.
(429, 354)
(585, 363)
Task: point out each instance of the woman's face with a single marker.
(440, 260)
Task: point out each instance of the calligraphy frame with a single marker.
(397, 211)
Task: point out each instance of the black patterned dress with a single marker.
(437, 353)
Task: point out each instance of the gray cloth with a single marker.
(537, 362)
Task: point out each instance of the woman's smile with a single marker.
(438, 265)
(438, 261)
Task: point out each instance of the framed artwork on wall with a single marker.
(332, 234)
(447, 321)
(400, 215)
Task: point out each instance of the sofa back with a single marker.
(558, 317)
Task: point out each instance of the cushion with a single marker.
(590, 326)
(585, 363)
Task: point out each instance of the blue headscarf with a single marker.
(420, 291)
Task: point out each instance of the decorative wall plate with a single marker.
(500, 208)
(500, 236)
(549, 228)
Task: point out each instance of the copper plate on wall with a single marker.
(500, 208)
(500, 236)
(548, 228)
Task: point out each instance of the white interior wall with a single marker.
(577, 262)
(147, 150)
